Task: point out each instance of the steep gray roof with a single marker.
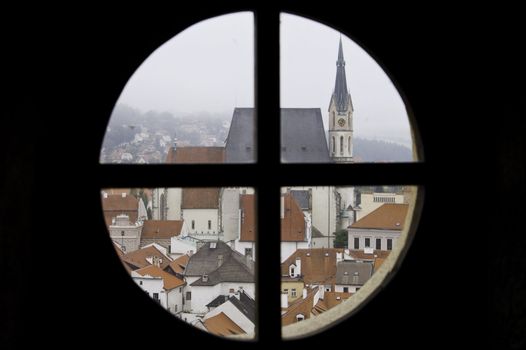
(346, 270)
(232, 270)
(246, 305)
(302, 136)
(220, 299)
(302, 197)
(341, 95)
(239, 146)
(205, 260)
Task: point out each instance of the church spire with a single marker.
(341, 94)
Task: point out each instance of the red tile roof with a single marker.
(115, 204)
(169, 281)
(221, 324)
(387, 217)
(316, 267)
(293, 222)
(248, 222)
(161, 228)
(137, 258)
(179, 264)
(192, 155)
(200, 198)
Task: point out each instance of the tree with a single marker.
(340, 239)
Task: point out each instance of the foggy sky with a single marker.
(209, 67)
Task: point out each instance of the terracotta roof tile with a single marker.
(316, 267)
(330, 299)
(359, 254)
(300, 306)
(248, 222)
(293, 222)
(387, 217)
(192, 155)
(221, 324)
(200, 198)
(169, 281)
(137, 258)
(161, 228)
(115, 204)
(179, 264)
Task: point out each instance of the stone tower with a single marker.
(340, 116)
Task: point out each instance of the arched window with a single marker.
(349, 146)
(341, 144)
(333, 144)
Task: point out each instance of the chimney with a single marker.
(284, 300)
(205, 278)
(339, 257)
(298, 266)
(304, 293)
(104, 194)
(219, 260)
(123, 194)
(282, 206)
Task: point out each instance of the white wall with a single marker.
(234, 314)
(175, 298)
(151, 285)
(201, 217)
(288, 248)
(131, 238)
(361, 234)
(240, 247)
(173, 202)
(230, 213)
(181, 247)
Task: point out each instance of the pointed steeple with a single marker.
(341, 94)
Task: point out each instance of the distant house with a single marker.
(302, 308)
(119, 204)
(352, 275)
(215, 269)
(161, 286)
(379, 229)
(246, 243)
(161, 232)
(238, 308)
(370, 201)
(294, 228)
(126, 233)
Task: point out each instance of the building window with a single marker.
(389, 244)
(356, 243)
(367, 242)
(231, 290)
(140, 283)
(346, 289)
(209, 224)
(169, 249)
(333, 144)
(341, 144)
(292, 271)
(349, 145)
(378, 244)
(193, 224)
(248, 252)
(188, 296)
(156, 297)
(175, 308)
(293, 292)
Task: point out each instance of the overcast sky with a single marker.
(209, 67)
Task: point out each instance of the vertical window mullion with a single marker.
(269, 151)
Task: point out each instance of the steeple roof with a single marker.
(341, 95)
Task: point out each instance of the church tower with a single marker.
(340, 116)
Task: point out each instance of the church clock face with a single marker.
(341, 122)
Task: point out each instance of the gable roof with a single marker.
(302, 197)
(179, 264)
(239, 144)
(248, 222)
(195, 154)
(346, 270)
(137, 258)
(388, 216)
(221, 324)
(234, 269)
(219, 300)
(161, 228)
(200, 198)
(246, 305)
(303, 136)
(316, 267)
(169, 281)
(293, 222)
(300, 306)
